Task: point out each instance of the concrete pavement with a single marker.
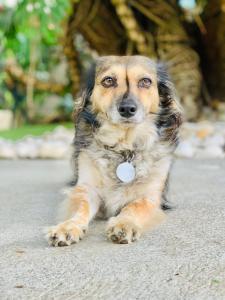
(184, 258)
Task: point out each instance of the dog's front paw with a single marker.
(122, 231)
(65, 234)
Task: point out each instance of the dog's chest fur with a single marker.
(150, 161)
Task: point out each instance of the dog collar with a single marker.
(125, 171)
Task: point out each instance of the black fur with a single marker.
(85, 122)
(89, 117)
(169, 118)
(165, 205)
(86, 113)
(89, 82)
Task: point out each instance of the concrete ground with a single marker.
(184, 258)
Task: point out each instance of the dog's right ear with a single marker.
(89, 82)
(170, 116)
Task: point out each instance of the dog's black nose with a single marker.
(127, 109)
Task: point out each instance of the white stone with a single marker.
(194, 141)
(63, 134)
(27, 149)
(185, 149)
(7, 150)
(210, 152)
(54, 149)
(187, 130)
(215, 140)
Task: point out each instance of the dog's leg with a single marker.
(79, 211)
(133, 219)
(81, 206)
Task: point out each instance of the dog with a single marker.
(126, 133)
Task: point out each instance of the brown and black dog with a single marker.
(126, 133)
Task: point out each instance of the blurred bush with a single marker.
(31, 53)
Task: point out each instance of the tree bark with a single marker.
(145, 27)
(214, 40)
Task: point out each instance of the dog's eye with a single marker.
(144, 83)
(108, 82)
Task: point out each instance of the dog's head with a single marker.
(126, 90)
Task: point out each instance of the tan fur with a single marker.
(134, 207)
(133, 220)
(77, 219)
(134, 69)
(79, 204)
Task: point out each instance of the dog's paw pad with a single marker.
(65, 234)
(122, 232)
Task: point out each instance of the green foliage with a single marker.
(30, 29)
(34, 130)
(32, 21)
(6, 99)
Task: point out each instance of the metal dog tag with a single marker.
(125, 172)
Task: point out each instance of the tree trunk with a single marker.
(214, 19)
(145, 27)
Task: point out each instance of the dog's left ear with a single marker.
(89, 83)
(170, 107)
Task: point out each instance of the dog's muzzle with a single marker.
(127, 109)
